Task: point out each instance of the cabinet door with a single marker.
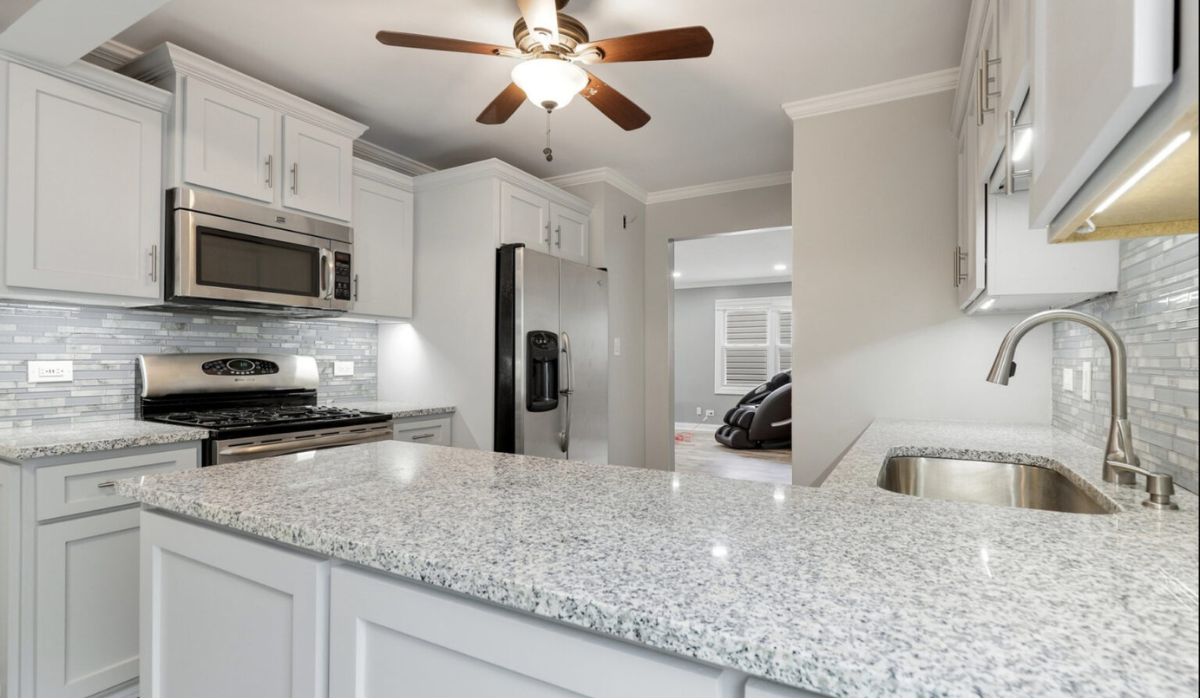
(223, 615)
(319, 169)
(524, 218)
(87, 604)
(1013, 18)
(84, 194)
(228, 142)
(1097, 68)
(570, 233)
(383, 249)
(391, 638)
(970, 261)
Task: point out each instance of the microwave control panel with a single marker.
(341, 276)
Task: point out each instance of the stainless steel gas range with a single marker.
(254, 405)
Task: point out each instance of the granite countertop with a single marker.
(21, 444)
(846, 589)
(398, 409)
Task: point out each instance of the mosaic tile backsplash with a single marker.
(1155, 311)
(103, 343)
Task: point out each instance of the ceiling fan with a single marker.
(552, 47)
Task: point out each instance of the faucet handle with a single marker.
(1159, 487)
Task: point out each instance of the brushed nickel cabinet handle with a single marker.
(423, 436)
(270, 172)
(558, 236)
(154, 262)
(106, 485)
(295, 178)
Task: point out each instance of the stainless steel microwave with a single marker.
(229, 254)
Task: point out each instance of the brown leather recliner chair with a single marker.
(762, 419)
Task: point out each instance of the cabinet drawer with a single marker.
(86, 485)
(427, 431)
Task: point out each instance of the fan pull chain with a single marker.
(547, 151)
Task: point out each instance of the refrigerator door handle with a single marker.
(564, 437)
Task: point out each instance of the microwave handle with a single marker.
(327, 272)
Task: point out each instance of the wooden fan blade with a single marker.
(613, 104)
(437, 43)
(662, 45)
(503, 106)
(541, 18)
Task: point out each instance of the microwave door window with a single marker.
(233, 260)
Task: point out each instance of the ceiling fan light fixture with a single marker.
(549, 83)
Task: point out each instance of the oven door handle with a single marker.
(277, 449)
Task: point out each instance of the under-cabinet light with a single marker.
(780, 267)
(677, 274)
(1144, 170)
(1021, 148)
(987, 304)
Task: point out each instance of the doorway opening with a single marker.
(731, 318)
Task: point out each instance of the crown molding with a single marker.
(608, 176)
(382, 174)
(167, 63)
(743, 183)
(498, 169)
(390, 159)
(101, 80)
(684, 283)
(112, 54)
(902, 89)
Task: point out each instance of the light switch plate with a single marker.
(1068, 379)
(1085, 385)
(616, 346)
(343, 368)
(51, 371)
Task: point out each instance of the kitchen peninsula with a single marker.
(398, 569)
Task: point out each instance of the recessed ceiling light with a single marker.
(677, 274)
(780, 267)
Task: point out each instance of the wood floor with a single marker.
(698, 452)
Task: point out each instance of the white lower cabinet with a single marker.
(69, 561)
(427, 430)
(87, 604)
(391, 638)
(224, 615)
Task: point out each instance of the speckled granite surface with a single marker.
(846, 589)
(21, 444)
(398, 409)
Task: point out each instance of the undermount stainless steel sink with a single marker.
(994, 483)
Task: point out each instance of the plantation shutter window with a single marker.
(754, 339)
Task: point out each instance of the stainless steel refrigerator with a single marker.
(551, 357)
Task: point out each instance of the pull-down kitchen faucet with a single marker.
(1121, 465)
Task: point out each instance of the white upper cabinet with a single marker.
(524, 218)
(569, 233)
(542, 224)
(228, 142)
(383, 242)
(1097, 68)
(83, 185)
(319, 166)
(239, 135)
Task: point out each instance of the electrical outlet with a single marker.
(710, 413)
(699, 411)
(1068, 379)
(1085, 385)
(616, 347)
(343, 368)
(51, 371)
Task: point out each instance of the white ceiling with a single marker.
(713, 119)
(741, 258)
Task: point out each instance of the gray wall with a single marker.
(618, 243)
(695, 341)
(880, 334)
(745, 210)
(1155, 311)
(103, 343)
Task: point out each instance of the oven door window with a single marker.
(225, 259)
